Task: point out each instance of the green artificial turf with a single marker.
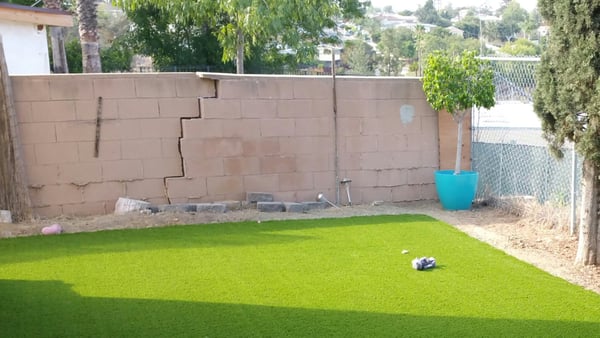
(315, 278)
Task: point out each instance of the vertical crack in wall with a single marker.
(181, 136)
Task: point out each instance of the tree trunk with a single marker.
(57, 40)
(14, 195)
(239, 60)
(88, 34)
(587, 249)
(459, 120)
(59, 55)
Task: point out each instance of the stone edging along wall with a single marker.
(184, 137)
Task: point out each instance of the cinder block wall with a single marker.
(139, 137)
(171, 138)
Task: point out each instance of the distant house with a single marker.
(455, 31)
(23, 31)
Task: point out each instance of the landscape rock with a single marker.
(179, 207)
(315, 205)
(294, 207)
(231, 205)
(125, 205)
(211, 207)
(270, 206)
(5, 216)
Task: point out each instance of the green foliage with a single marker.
(359, 57)
(470, 25)
(172, 42)
(397, 45)
(241, 25)
(521, 47)
(342, 277)
(513, 18)
(567, 96)
(372, 26)
(115, 58)
(73, 51)
(455, 84)
(428, 14)
(442, 39)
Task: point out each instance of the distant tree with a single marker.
(533, 22)
(240, 25)
(502, 7)
(566, 100)
(396, 48)
(172, 42)
(441, 39)
(371, 26)
(449, 12)
(406, 12)
(359, 56)
(388, 9)
(521, 47)
(470, 25)
(427, 13)
(513, 19)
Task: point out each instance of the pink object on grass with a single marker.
(53, 229)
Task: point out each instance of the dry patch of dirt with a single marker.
(549, 247)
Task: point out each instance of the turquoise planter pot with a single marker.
(456, 192)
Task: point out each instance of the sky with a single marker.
(412, 5)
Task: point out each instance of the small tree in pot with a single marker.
(455, 85)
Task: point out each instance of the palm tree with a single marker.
(57, 40)
(88, 35)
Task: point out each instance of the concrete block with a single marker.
(224, 185)
(259, 197)
(278, 164)
(5, 216)
(241, 166)
(192, 86)
(265, 183)
(138, 108)
(75, 131)
(30, 89)
(232, 205)
(259, 109)
(114, 87)
(70, 88)
(53, 111)
(314, 205)
(294, 207)
(155, 86)
(270, 206)
(277, 127)
(261, 147)
(211, 207)
(179, 107)
(125, 205)
(180, 207)
(294, 108)
(32, 133)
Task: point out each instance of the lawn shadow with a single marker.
(36, 248)
(52, 309)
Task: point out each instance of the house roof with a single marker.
(35, 15)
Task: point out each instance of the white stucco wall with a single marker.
(25, 48)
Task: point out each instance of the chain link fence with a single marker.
(509, 152)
